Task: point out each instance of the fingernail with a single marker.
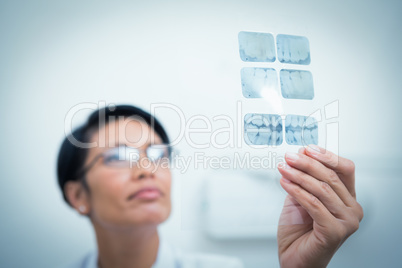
(286, 180)
(314, 149)
(292, 156)
(283, 165)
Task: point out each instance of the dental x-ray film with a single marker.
(257, 82)
(257, 47)
(296, 84)
(301, 130)
(263, 129)
(293, 49)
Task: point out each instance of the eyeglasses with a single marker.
(125, 156)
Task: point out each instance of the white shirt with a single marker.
(171, 257)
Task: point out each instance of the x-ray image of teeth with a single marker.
(296, 84)
(301, 130)
(293, 49)
(263, 129)
(256, 47)
(257, 82)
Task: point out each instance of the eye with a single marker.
(156, 152)
(112, 156)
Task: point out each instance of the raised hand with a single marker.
(320, 211)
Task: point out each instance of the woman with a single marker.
(114, 170)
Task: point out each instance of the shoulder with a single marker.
(86, 261)
(170, 256)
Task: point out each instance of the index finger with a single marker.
(344, 167)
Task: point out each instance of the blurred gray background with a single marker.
(57, 54)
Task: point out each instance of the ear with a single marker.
(77, 196)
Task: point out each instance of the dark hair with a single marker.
(71, 158)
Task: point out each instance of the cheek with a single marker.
(107, 191)
(166, 180)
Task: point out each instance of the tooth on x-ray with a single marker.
(257, 81)
(301, 130)
(256, 47)
(263, 129)
(293, 49)
(297, 84)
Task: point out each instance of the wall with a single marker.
(56, 54)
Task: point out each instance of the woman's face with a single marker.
(112, 197)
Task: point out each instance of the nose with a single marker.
(144, 168)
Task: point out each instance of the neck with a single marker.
(131, 247)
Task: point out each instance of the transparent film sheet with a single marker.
(297, 84)
(247, 204)
(258, 82)
(256, 47)
(301, 130)
(293, 49)
(260, 217)
(263, 129)
(242, 203)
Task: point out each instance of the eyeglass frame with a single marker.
(84, 170)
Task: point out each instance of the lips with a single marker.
(146, 193)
